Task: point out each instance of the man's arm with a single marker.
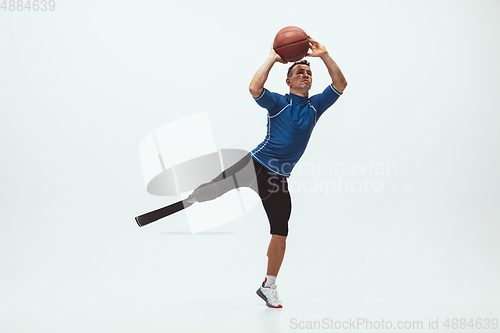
(338, 80)
(260, 77)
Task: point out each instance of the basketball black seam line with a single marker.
(291, 43)
(300, 32)
(297, 53)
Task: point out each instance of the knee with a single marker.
(279, 240)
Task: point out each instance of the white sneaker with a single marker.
(270, 295)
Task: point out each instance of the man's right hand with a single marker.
(276, 56)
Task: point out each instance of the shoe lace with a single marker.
(274, 293)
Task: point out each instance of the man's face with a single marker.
(301, 77)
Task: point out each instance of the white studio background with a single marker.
(80, 86)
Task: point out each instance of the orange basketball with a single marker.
(291, 43)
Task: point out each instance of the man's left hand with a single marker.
(317, 49)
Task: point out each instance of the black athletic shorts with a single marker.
(271, 187)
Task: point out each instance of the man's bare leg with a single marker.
(275, 254)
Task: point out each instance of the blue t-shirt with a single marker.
(290, 121)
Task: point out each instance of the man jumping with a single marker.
(290, 121)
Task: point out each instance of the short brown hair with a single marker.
(302, 62)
